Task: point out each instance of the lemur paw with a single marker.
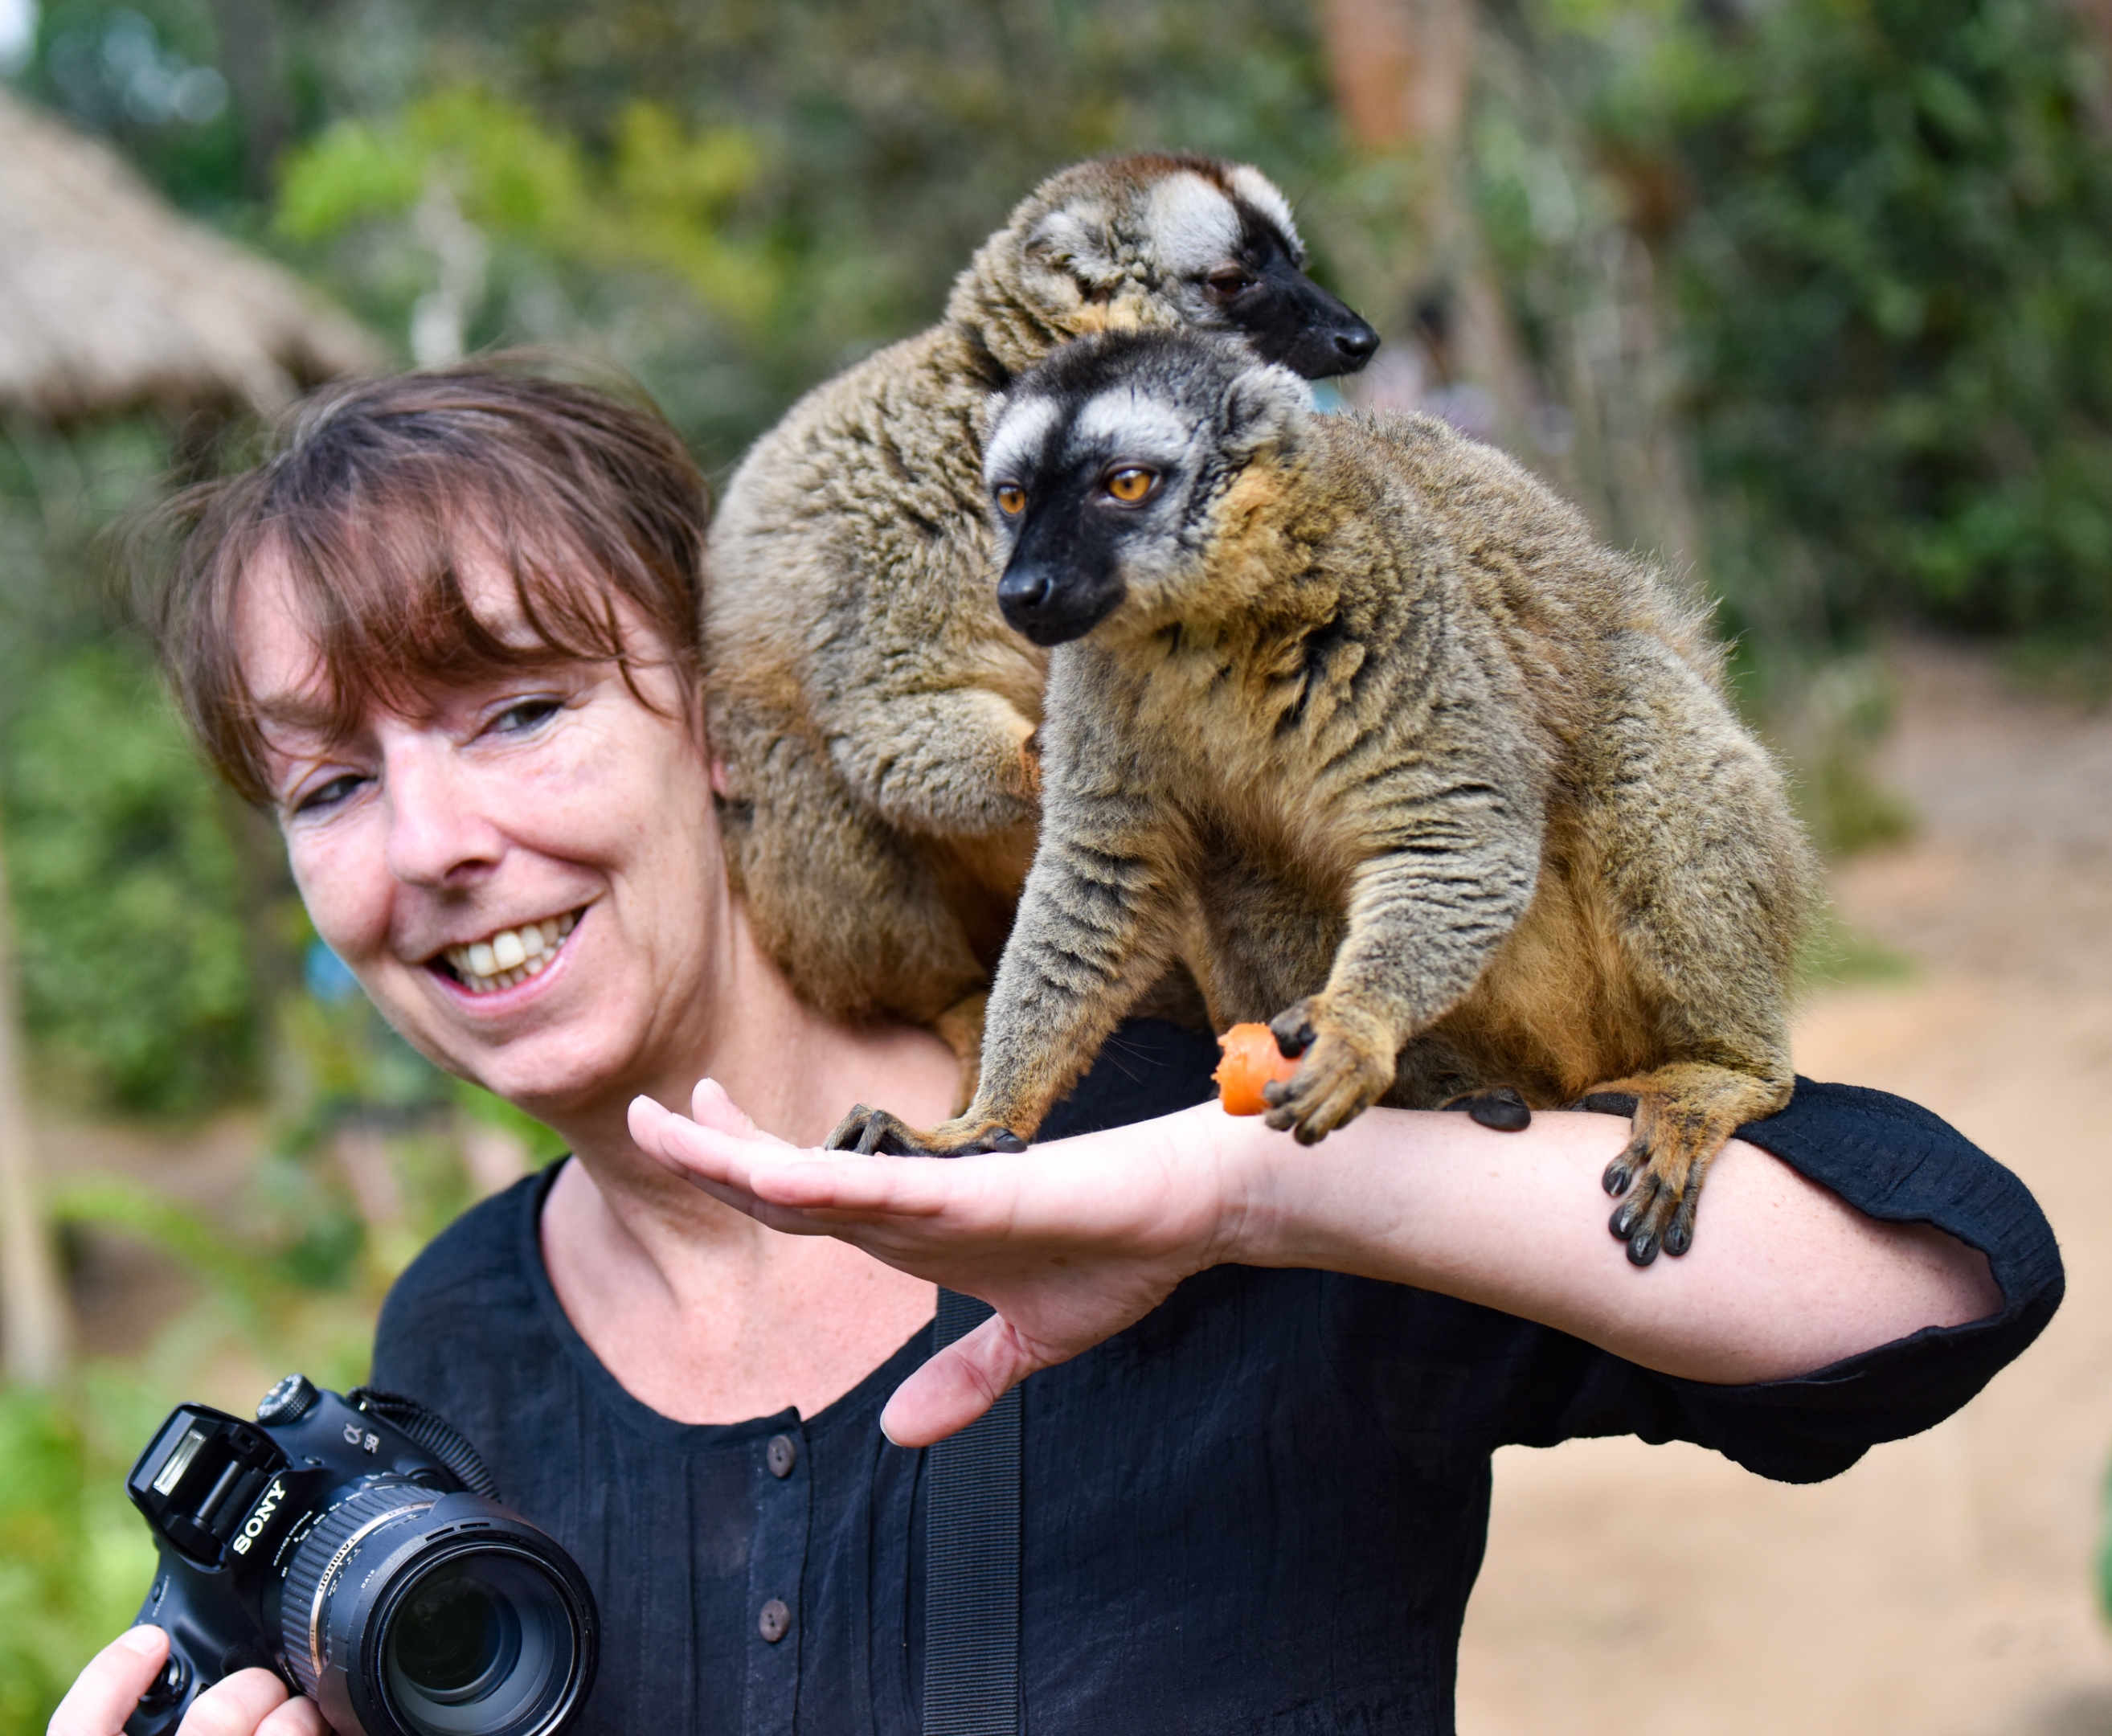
(1682, 1115)
(1343, 1072)
(866, 1130)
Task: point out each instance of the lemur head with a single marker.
(1107, 466)
(1152, 240)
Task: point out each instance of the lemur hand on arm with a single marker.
(1071, 1251)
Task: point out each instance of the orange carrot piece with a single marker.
(1251, 1061)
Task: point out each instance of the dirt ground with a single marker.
(1942, 1588)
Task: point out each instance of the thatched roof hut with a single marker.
(110, 299)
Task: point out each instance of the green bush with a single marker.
(1895, 266)
(126, 903)
(75, 1557)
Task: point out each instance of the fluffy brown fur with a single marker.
(872, 715)
(1356, 719)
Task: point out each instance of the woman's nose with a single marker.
(439, 835)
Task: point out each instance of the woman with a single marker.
(446, 634)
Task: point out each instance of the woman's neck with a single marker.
(696, 1310)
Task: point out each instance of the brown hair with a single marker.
(369, 496)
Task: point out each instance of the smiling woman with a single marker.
(447, 636)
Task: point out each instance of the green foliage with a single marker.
(126, 899)
(74, 1559)
(1900, 279)
(1890, 226)
(135, 979)
(2104, 1552)
(146, 72)
(658, 197)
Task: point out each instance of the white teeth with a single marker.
(511, 955)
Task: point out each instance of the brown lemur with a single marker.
(870, 711)
(1354, 717)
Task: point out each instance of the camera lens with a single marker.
(456, 1637)
(419, 1615)
(474, 1644)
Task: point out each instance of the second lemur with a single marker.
(1355, 718)
(871, 712)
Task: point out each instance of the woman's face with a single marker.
(525, 876)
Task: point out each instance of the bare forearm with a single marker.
(1073, 1241)
(1784, 1277)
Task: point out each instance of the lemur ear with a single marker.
(1265, 407)
(1074, 240)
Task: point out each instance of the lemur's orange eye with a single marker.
(1132, 484)
(1011, 499)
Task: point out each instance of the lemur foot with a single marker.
(1344, 1069)
(866, 1130)
(1497, 1106)
(1682, 1115)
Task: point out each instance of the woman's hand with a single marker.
(251, 1703)
(1070, 1243)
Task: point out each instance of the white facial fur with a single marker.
(1260, 192)
(1196, 227)
(1021, 429)
(1124, 423)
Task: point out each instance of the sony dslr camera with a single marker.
(356, 1548)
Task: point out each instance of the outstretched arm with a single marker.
(1073, 1242)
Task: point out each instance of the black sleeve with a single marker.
(1891, 1161)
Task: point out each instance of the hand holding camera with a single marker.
(353, 1548)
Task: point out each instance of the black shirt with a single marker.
(1260, 1508)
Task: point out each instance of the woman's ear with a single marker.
(721, 782)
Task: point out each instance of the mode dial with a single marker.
(288, 1401)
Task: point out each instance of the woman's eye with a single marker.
(1011, 499)
(1132, 484)
(525, 714)
(326, 796)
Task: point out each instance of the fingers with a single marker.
(299, 1716)
(756, 1176)
(240, 1706)
(701, 1156)
(104, 1693)
(710, 1107)
(958, 1384)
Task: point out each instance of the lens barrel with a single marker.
(410, 1613)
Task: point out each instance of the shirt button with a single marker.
(776, 1620)
(782, 1454)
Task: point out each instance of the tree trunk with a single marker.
(33, 1308)
(1403, 72)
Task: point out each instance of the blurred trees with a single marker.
(1802, 294)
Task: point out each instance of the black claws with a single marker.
(868, 1131)
(1291, 1040)
(1607, 1103)
(1645, 1208)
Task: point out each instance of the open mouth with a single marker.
(510, 956)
